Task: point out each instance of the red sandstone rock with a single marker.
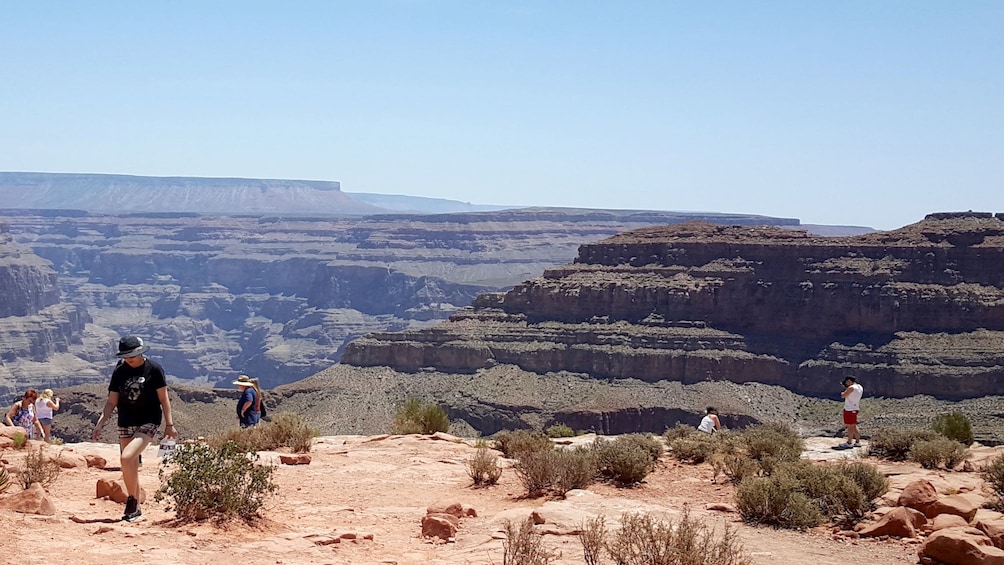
(295, 459)
(115, 490)
(964, 505)
(962, 546)
(95, 461)
(943, 521)
(442, 526)
(33, 500)
(918, 495)
(721, 507)
(454, 508)
(900, 522)
(69, 460)
(994, 529)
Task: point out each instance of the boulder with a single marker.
(33, 500)
(964, 505)
(96, 461)
(993, 529)
(961, 546)
(6, 442)
(70, 460)
(10, 431)
(294, 459)
(900, 522)
(943, 521)
(454, 508)
(116, 490)
(918, 495)
(721, 507)
(442, 526)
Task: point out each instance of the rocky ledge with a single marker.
(913, 311)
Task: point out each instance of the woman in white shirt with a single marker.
(710, 423)
(44, 407)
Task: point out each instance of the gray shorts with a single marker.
(129, 432)
(45, 421)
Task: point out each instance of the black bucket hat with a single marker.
(131, 346)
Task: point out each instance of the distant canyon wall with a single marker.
(914, 311)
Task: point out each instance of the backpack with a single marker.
(262, 413)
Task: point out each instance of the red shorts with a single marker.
(850, 417)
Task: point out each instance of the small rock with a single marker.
(33, 500)
(442, 526)
(721, 507)
(294, 459)
(95, 461)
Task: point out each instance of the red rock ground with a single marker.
(382, 486)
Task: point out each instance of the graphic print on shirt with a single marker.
(132, 388)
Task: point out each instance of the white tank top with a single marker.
(42, 409)
(707, 425)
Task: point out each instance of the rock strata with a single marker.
(914, 311)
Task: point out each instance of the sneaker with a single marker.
(844, 445)
(132, 511)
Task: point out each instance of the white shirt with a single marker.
(42, 408)
(707, 425)
(853, 401)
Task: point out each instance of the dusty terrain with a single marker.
(382, 486)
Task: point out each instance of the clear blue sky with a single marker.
(851, 112)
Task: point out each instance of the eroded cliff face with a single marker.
(35, 327)
(279, 297)
(914, 311)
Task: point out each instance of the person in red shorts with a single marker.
(852, 405)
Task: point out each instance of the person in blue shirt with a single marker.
(249, 405)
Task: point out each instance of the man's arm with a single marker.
(847, 392)
(106, 413)
(165, 404)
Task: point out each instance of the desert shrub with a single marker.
(414, 417)
(695, 448)
(560, 430)
(534, 470)
(769, 445)
(679, 431)
(894, 443)
(872, 482)
(513, 443)
(644, 540)
(285, 430)
(524, 546)
(842, 492)
(993, 474)
(736, 466)
(5, 480)
(623, 460)
(592, 536)
(572, 469)
(483, 467)
(938, 452)
(954, 425)
(648, 443)
(37, 468)
(204, 481)
(20, 440)
(776, 501)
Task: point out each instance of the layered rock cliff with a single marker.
(914, 311)
(35, 327)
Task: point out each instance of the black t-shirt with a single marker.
(137, 388)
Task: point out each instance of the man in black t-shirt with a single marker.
(139, 391)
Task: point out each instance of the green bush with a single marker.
(534, 469)
(776, 501)
(736, 466)
(841, 492)
(679, 431)
(513, 443)
(894, 443)
(695, 448)
(572, 469)
(645, 540)
(624, 460)
(956, 426)
(37, 468)
(483, 467)
(204, 481)
(772, 444)
(414, 417)
(559, 430)
(20, 440)
(938, 452)
(993, 474)
(646, 442)
(285, 430)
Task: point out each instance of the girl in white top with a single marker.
(710, 423)
(44, 407)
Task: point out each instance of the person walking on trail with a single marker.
(44, 407)
(852, 405)
(249, 405)
(710, 423)
(138, 389)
